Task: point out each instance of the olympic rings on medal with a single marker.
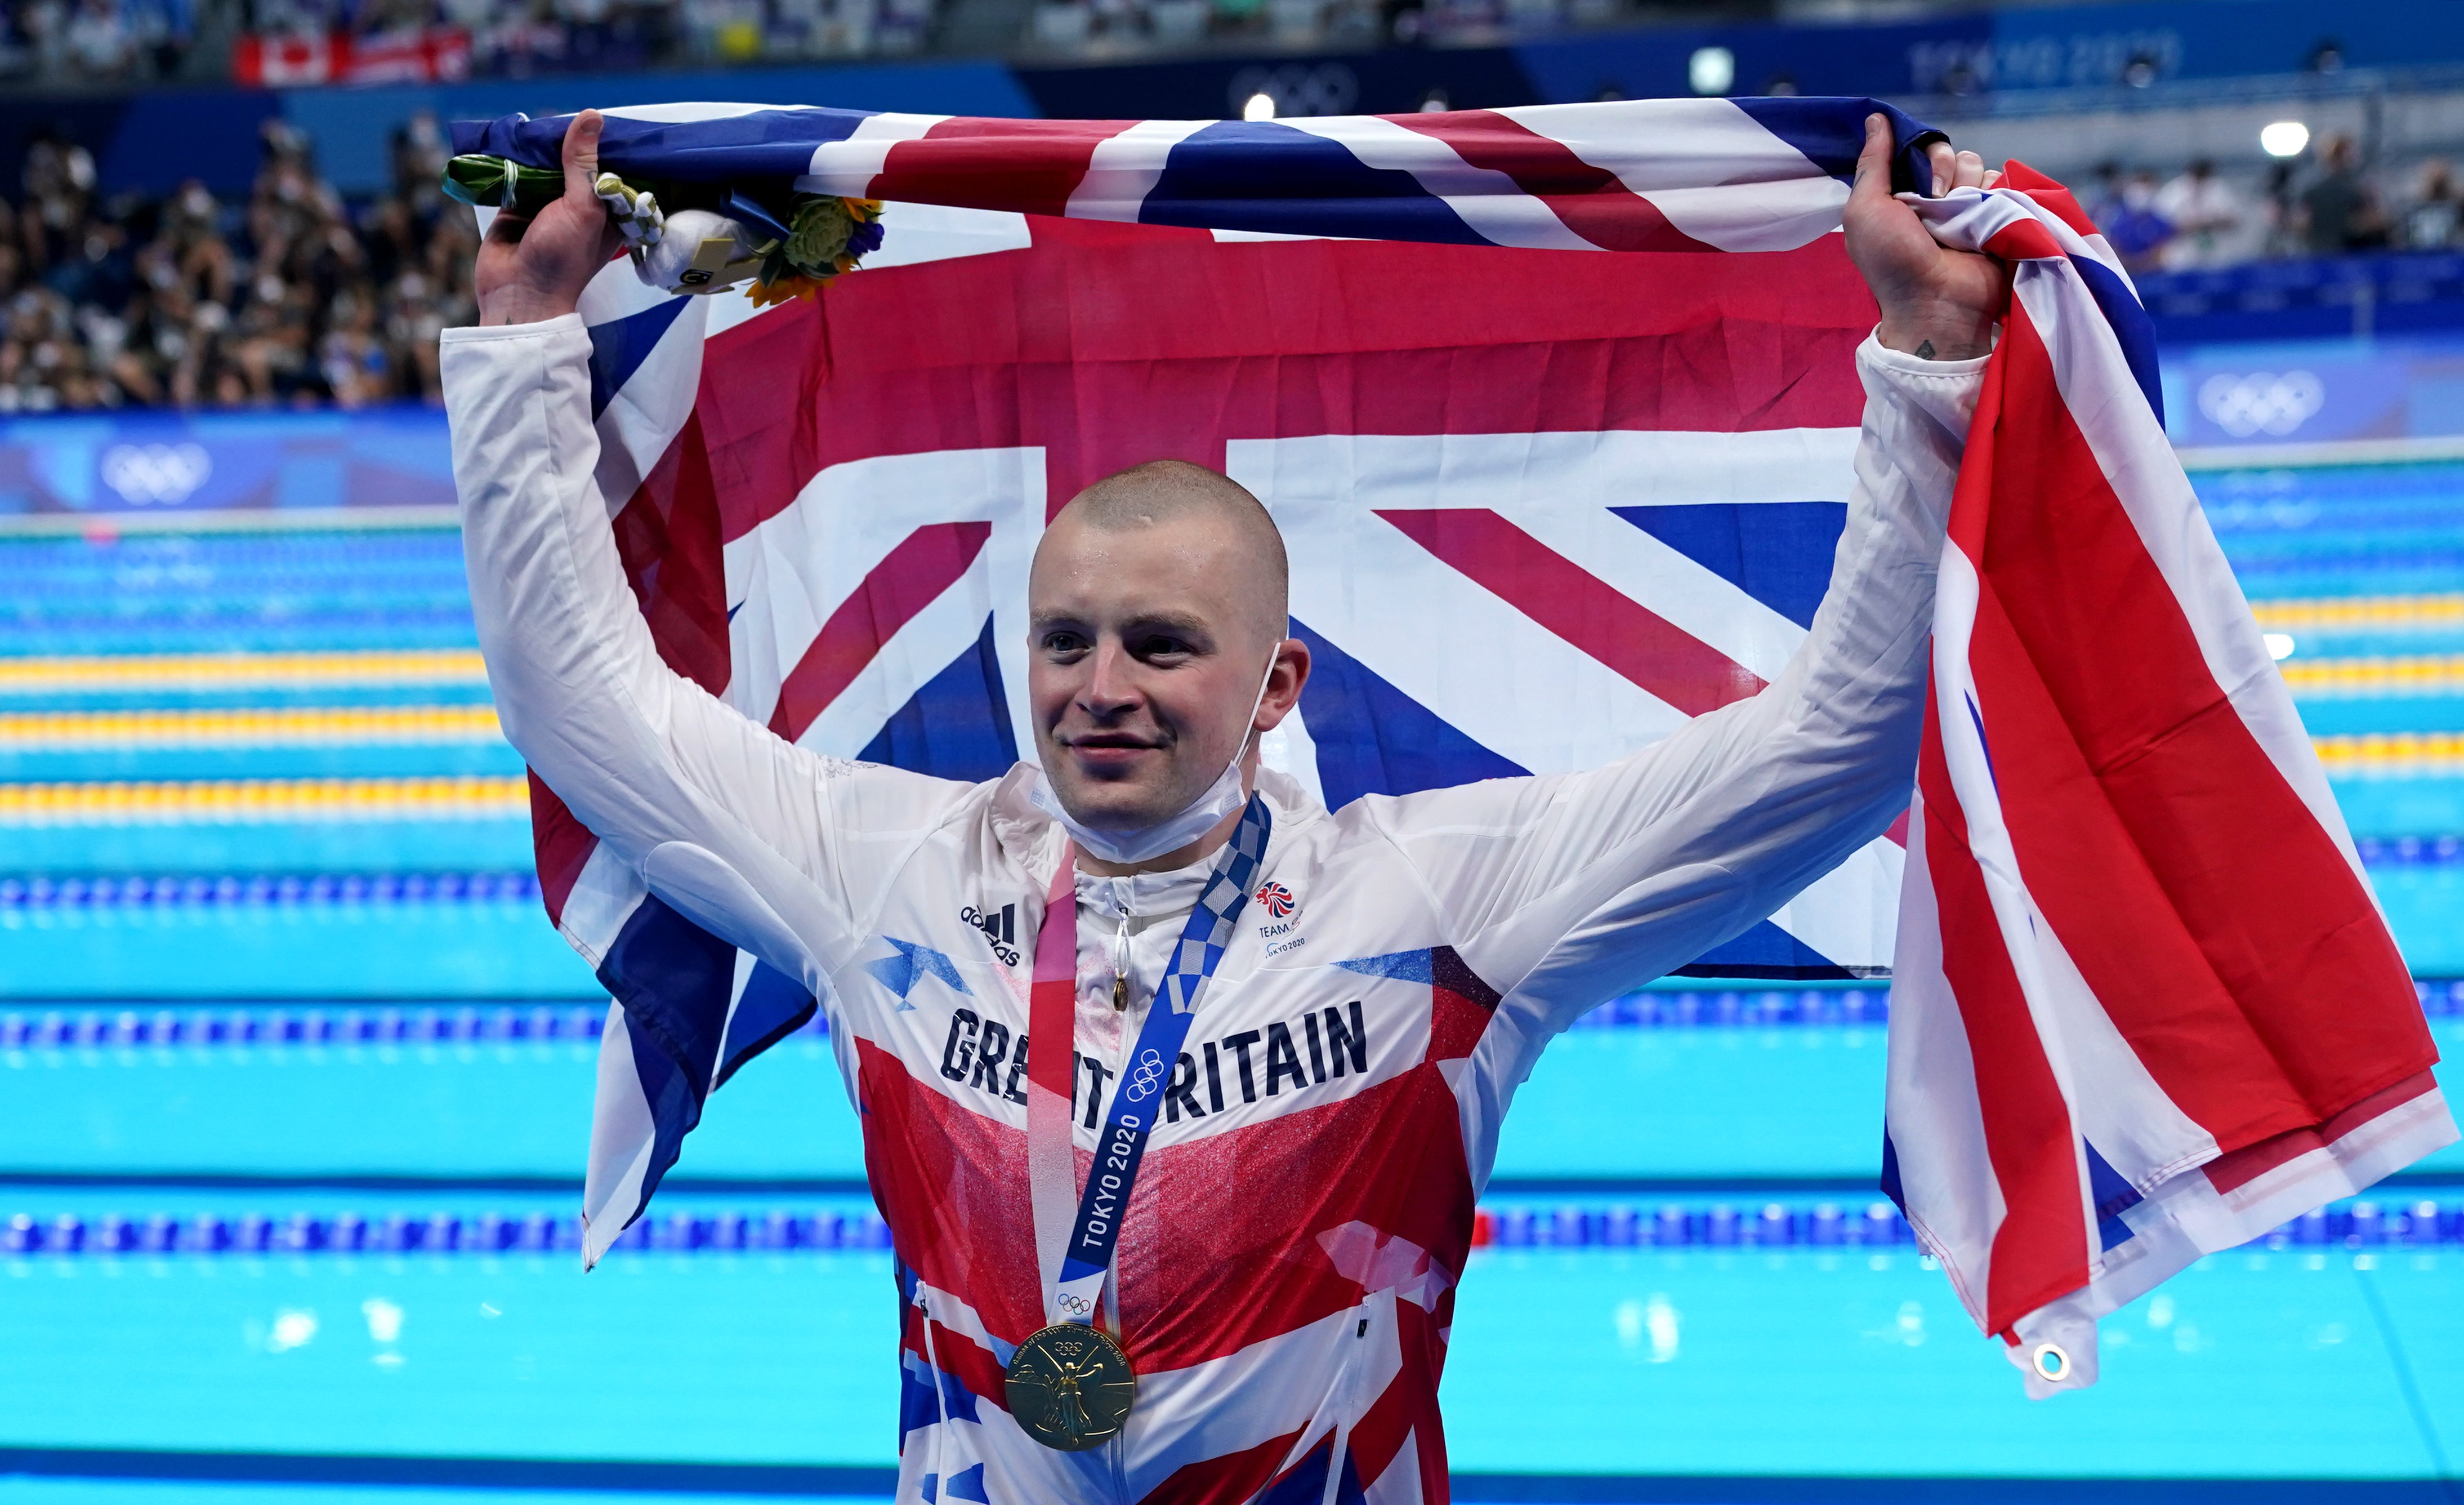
(1147, 1075)
(1075, 1304)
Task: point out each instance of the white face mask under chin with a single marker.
(1145, 843)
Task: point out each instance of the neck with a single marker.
(1198, 851)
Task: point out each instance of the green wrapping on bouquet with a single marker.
(497, 182)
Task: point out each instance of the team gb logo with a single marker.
(1276, 899)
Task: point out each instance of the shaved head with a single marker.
(1162, 494)
(1156, 609)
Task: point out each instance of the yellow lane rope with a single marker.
(2357, 613)
(2420, 673)
(161, 671)
(2393, 755)
(256, 801)
(284, 726)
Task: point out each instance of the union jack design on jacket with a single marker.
(1512, 482)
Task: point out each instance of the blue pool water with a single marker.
(319, 1069)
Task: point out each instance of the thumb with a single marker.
(1873, 163)
(581, 158)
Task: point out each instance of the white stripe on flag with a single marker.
(1936, 1125)
(1970, 763)
(1489, 201)
(848, 167)
(605, 895)
(1123, 169)
(1712, 169)
(643, 417)
(787, 576)
(623, 1135)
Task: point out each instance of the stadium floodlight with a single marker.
(1261, 107)
(1712, 70)
(2283, 138)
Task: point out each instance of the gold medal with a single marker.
(1071, 1386)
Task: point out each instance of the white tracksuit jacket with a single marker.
(1285, 1277)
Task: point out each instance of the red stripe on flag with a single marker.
(2239, 1169)
(2207, 908)
(1108, 345)
(2049, 192)
(1593, 202)
(2039, 1252)
(1577, 606)
(926, 562)
(559, 846)
(1031, 167)
(2024, 240)
(667, 537)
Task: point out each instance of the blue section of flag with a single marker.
(619, 347)
(673, 979)
(1830, 132)
(2132, 328)
(1260, 175)
(1372, 738)
(967, 1484)
(2114, 1194)
(956, 727)
(763, 144)
(1765, 951)
(774, 1006)
(1890, 1183)
(1777, 552)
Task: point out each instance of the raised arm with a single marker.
(726, 821)
(1568, 889)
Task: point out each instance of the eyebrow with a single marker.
(1187, 624)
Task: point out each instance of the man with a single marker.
(2206, 215)
(1203, 1249)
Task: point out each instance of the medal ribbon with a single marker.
(1075, 1256)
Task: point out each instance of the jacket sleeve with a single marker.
(1565, 890)
(727, 822)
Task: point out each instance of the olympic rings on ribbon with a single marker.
(1147, 1076)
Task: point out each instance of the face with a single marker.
(1146, 651)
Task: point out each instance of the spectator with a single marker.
(291, 296)
(2131, 225)
(2340, 211)
(2206, 217)
(2430, 223)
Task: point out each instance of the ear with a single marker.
(1284, 683)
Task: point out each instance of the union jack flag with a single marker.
(1542, 508)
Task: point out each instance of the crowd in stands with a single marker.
(391, 40)
(2200, 219)
(94, 40)
(1100, 26)
(289, 298)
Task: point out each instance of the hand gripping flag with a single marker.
(1640, 464)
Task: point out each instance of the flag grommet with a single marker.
(2052, 1364)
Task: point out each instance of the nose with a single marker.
(1109, 687)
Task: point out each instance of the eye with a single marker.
(1062, 642)
(1161, 645)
